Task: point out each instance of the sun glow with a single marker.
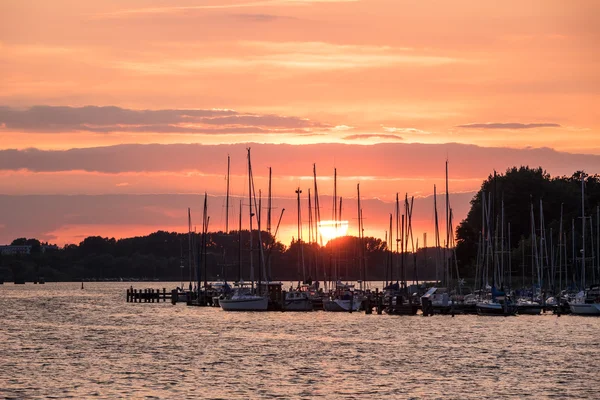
(333, 229)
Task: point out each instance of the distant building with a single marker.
(46, 247)
(7, 250)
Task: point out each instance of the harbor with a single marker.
(432, 301)
(80, 342)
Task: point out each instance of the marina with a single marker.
(59, 340)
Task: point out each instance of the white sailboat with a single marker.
(243, 298)
(586, 302)
(343, 299)
(297, 300)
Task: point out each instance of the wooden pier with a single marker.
(148, 295)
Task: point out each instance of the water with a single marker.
(58, 341)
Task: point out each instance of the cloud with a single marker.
(260, 17)
(405, 130)
(289, 56)
(115, 119)
(342, 128)
(378, 160)
(152, 11)
(373, 135)
(509, 125)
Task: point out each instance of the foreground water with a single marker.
(58, 341)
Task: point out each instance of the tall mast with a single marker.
(251, 215)
(390, 246)
(271, 238)
(190, 244)
(362, 246)
(205, 219)
(317, 206)
(582, 230)
(299, 238)
(335, 264)
(335, 197)
(446, 261)
(397, 240)
(437, 235)
(227, 198)
(402, 255)
(502, 275)
(360, 271)
(310, 219)
(261, 260)
(269, 204)
(340, 222)
(311, 235)
(560, 248)
(240, 244)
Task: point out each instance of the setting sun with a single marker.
(333, 229)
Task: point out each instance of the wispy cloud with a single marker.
(384, 136)
(260, 17)
(304, 56)
(116, 119)
(509, 125)
(181, 9)
(375, 160)
(342, 128)
(392, 129)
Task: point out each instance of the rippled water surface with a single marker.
(58, 341)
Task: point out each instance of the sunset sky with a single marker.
(117, 115)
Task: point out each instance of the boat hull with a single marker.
(529, 309)
(298, 305)
(495, 309)
(402, 309)
(339, 305)
(585, 308)
(245, 304)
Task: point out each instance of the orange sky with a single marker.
(350, 74)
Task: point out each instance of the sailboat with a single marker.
(243, 297)
(343, 297)
(586, 302)
(499, 304)
(298, 299)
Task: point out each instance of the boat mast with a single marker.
(190, 244)
(560, 249)
(390, 246)
(398, 240)
(317, 206)
(317, 221)
(269, 205)
(446, 261)
(271, 237)
(335, 223)
(360, 244)
(261, 259)
(227, 197)
(582, 230)
(240, 244)
(299, 238)
(205, 221)
(340, 247)
(251, 215)
(311, 236)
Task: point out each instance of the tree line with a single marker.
(168, 255)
